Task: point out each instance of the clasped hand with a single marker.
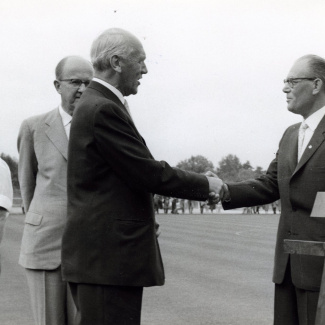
(218, 190)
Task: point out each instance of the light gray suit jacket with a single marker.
(43, 147)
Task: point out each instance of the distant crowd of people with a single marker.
(275, 207)
(173, 205)
(177, 206)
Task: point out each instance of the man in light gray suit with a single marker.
(43, 147)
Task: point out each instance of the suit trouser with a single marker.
(107, 304)
(51, 300)
(294, 306)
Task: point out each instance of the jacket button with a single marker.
(289, 233)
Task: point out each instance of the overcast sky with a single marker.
(216, 68)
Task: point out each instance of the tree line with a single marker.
(229, 168)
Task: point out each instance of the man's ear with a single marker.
(57, 86)
(115, 62)
(318, 85)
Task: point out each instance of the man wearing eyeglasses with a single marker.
(295, 176)
(43, 148)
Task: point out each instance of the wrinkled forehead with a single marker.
(301, 68)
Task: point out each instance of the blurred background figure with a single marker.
(266, 208)
(202, 206)
(157, 203)
(219, 206)
(273, 205)
(212, 207)
(6, 195)
(181, 206)
(174, 204)
(190, 206)
(166, 204)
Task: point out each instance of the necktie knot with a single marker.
(303, 126)
(301, 137)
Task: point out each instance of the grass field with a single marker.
(218, 271)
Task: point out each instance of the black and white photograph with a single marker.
(162, 162)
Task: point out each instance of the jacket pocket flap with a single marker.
(33, 218)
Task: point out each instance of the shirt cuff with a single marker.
(5, 202)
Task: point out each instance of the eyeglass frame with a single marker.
(290, 81)
(81, 82)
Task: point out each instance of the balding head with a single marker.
(73, 74)
(304, 85)
(73, 60)
(316, 65)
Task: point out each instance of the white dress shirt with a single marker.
(115, 91)
(66, 120)
(6, 192)
(312, 121)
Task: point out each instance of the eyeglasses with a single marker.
(292, 81)
(76, 83)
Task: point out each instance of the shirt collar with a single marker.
(66, 118)
(314, 119)
(111, 88)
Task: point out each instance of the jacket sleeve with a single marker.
(126, 153)
(259, 191)
(27, 165)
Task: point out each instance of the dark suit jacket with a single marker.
(110, 234)
(42, 167)
(296, 185)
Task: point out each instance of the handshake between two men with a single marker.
(218, 190)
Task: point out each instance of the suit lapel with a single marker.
(110, 95)
(292, 148)
(314, 143)
(56, 132)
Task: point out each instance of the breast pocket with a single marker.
(33, 218)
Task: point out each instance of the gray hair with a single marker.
(316, 65)
(113, 41)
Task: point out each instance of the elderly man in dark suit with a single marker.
(295, 176)
(109, 248)
(43, 152)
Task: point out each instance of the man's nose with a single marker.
(144, 69)
(286, 88)
(82, 88)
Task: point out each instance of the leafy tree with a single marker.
(259, 171)
(232, 170)
(229, 168)
(247, 165)
(245, 174)
(197, 164)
